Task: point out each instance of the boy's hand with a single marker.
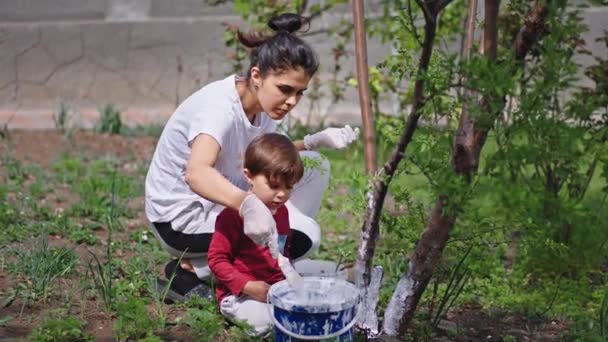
(257, 290)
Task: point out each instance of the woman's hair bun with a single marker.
(289, 22)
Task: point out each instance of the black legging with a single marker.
(199, 243)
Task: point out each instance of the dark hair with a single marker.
(282, 50)
(276, 157)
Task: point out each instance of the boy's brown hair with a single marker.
(276, 157)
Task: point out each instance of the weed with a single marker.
(5, 319)
(61, 329)
(151, 130)
(38, 188)
(584, 330)
(102, 273)
(604, 317)
(43, 265)
(101, 276)
(62, 118)
(100, 185)
(109, 120)
(68, 169)
(63, 225)
(81, 234)
(15, 171)
(150, 338)
(205, 322)
(159, 297)
(13, 223)
(239, 332)
(133, 320)
(458, 279)
(134, 280)
(4, 127)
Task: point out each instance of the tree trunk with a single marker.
(466, 152)
(381, 181)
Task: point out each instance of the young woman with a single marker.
(196, 170)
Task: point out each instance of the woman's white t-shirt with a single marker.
(215, 110)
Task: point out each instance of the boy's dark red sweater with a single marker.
(235, 259)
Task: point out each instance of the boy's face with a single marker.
(273, 195)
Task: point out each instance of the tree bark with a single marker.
(465, 125)
(467, 148)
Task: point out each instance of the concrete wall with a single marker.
(144, 56)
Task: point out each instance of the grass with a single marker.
(42, 265)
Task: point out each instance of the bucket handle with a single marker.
(307, 337)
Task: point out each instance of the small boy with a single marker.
(244, 270)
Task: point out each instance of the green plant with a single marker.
(150, 130)
(604, 317)
(97, 184)
(65, 226)
(4, 320)
(14, 170)
(62, 329)
(43, 265)
(109, 120)
(102, 273)
(205, 322)
(13, 223)
(150, 283)
(458, 279)
(150, 338)
(240, 331)
(133, 320)
(62, 118)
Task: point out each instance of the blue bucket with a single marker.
(318, 309)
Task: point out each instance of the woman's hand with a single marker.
(257, 290)
(259, 225)
(334, 138)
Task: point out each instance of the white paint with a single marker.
(314, 294)
(368, 319)
(396, 307)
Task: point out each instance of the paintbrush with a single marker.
(293, 278)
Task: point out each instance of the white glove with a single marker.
(334, 138)
(259, 225)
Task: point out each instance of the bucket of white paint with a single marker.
(317, 309)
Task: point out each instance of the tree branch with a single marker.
(531, 31)
(411, 17)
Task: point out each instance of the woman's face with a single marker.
(279, 92)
